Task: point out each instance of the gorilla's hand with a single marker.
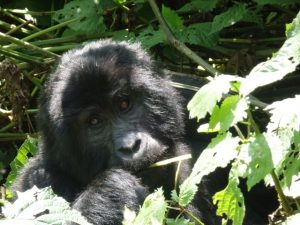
(104, 200)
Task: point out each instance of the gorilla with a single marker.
(106, 114)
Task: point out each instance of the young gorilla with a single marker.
(106, 114)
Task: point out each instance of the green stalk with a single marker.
(179, 45)
(282, 198)
(26, 45)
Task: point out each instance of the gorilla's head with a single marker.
(106, 105)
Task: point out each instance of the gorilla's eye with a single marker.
(93, 120)
(124, 104)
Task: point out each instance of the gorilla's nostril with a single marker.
(136, 146)
(130, 150)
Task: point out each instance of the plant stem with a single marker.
(287, 209)
(26, 45)
(179, 45)
(283, 200)
(194, 217)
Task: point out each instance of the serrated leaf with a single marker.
(150, 37)
(230, 202)
(232, 110)
(276, 2)
(41, 206)
(292, 220)
(219, 153)
(207, 97)
(172, 18)
(261, 160)
(199, 34)
(88, 13)
(294, 190)
(29, 146)
(284, 62)
(199, 5)
(153, 209)
(285, 114)
(228, 18)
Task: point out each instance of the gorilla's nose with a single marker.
(129, 146)
(130, 149)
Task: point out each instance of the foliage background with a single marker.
(229, 37)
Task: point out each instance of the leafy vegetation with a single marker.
(257, 137)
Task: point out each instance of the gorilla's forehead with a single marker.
(97, 71)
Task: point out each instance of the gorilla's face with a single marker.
(107, 105)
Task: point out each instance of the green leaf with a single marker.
(292, 220)
(88, 13)
(152, 212)
(28, 147)
(150, 37)
(261, 160)
(199, 34)
(41, 207)
(173, 20)
(206, 98)
(285, 114)
(284, 62)
(276, 2)
(232, 110)
(230, 202)
(218, 153)
(228, 18)
(199, 5)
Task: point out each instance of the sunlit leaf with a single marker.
(284, 62)
(230, 202)
(41, 207)
(152, 212)
(28, 147)
(219, 153)
(261, 160)
(207, 97)
(232, 110)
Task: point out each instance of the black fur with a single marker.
(106, 114)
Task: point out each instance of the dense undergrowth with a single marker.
(200, 37)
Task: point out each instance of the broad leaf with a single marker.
(232, 110)
(199, 5)
(150, 37)
(219, 153)
(41, 207)
(152, 212)
(88, 13)
(285, 114)
(228, 18)
(207, 97)
(276, 2)
(173, 20)
(199, 34)
(284, 62)
(261, 160)
(28, 147)
(230, 202)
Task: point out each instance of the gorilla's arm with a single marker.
(37, 173)
(104, 200)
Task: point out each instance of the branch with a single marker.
(179, 45)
